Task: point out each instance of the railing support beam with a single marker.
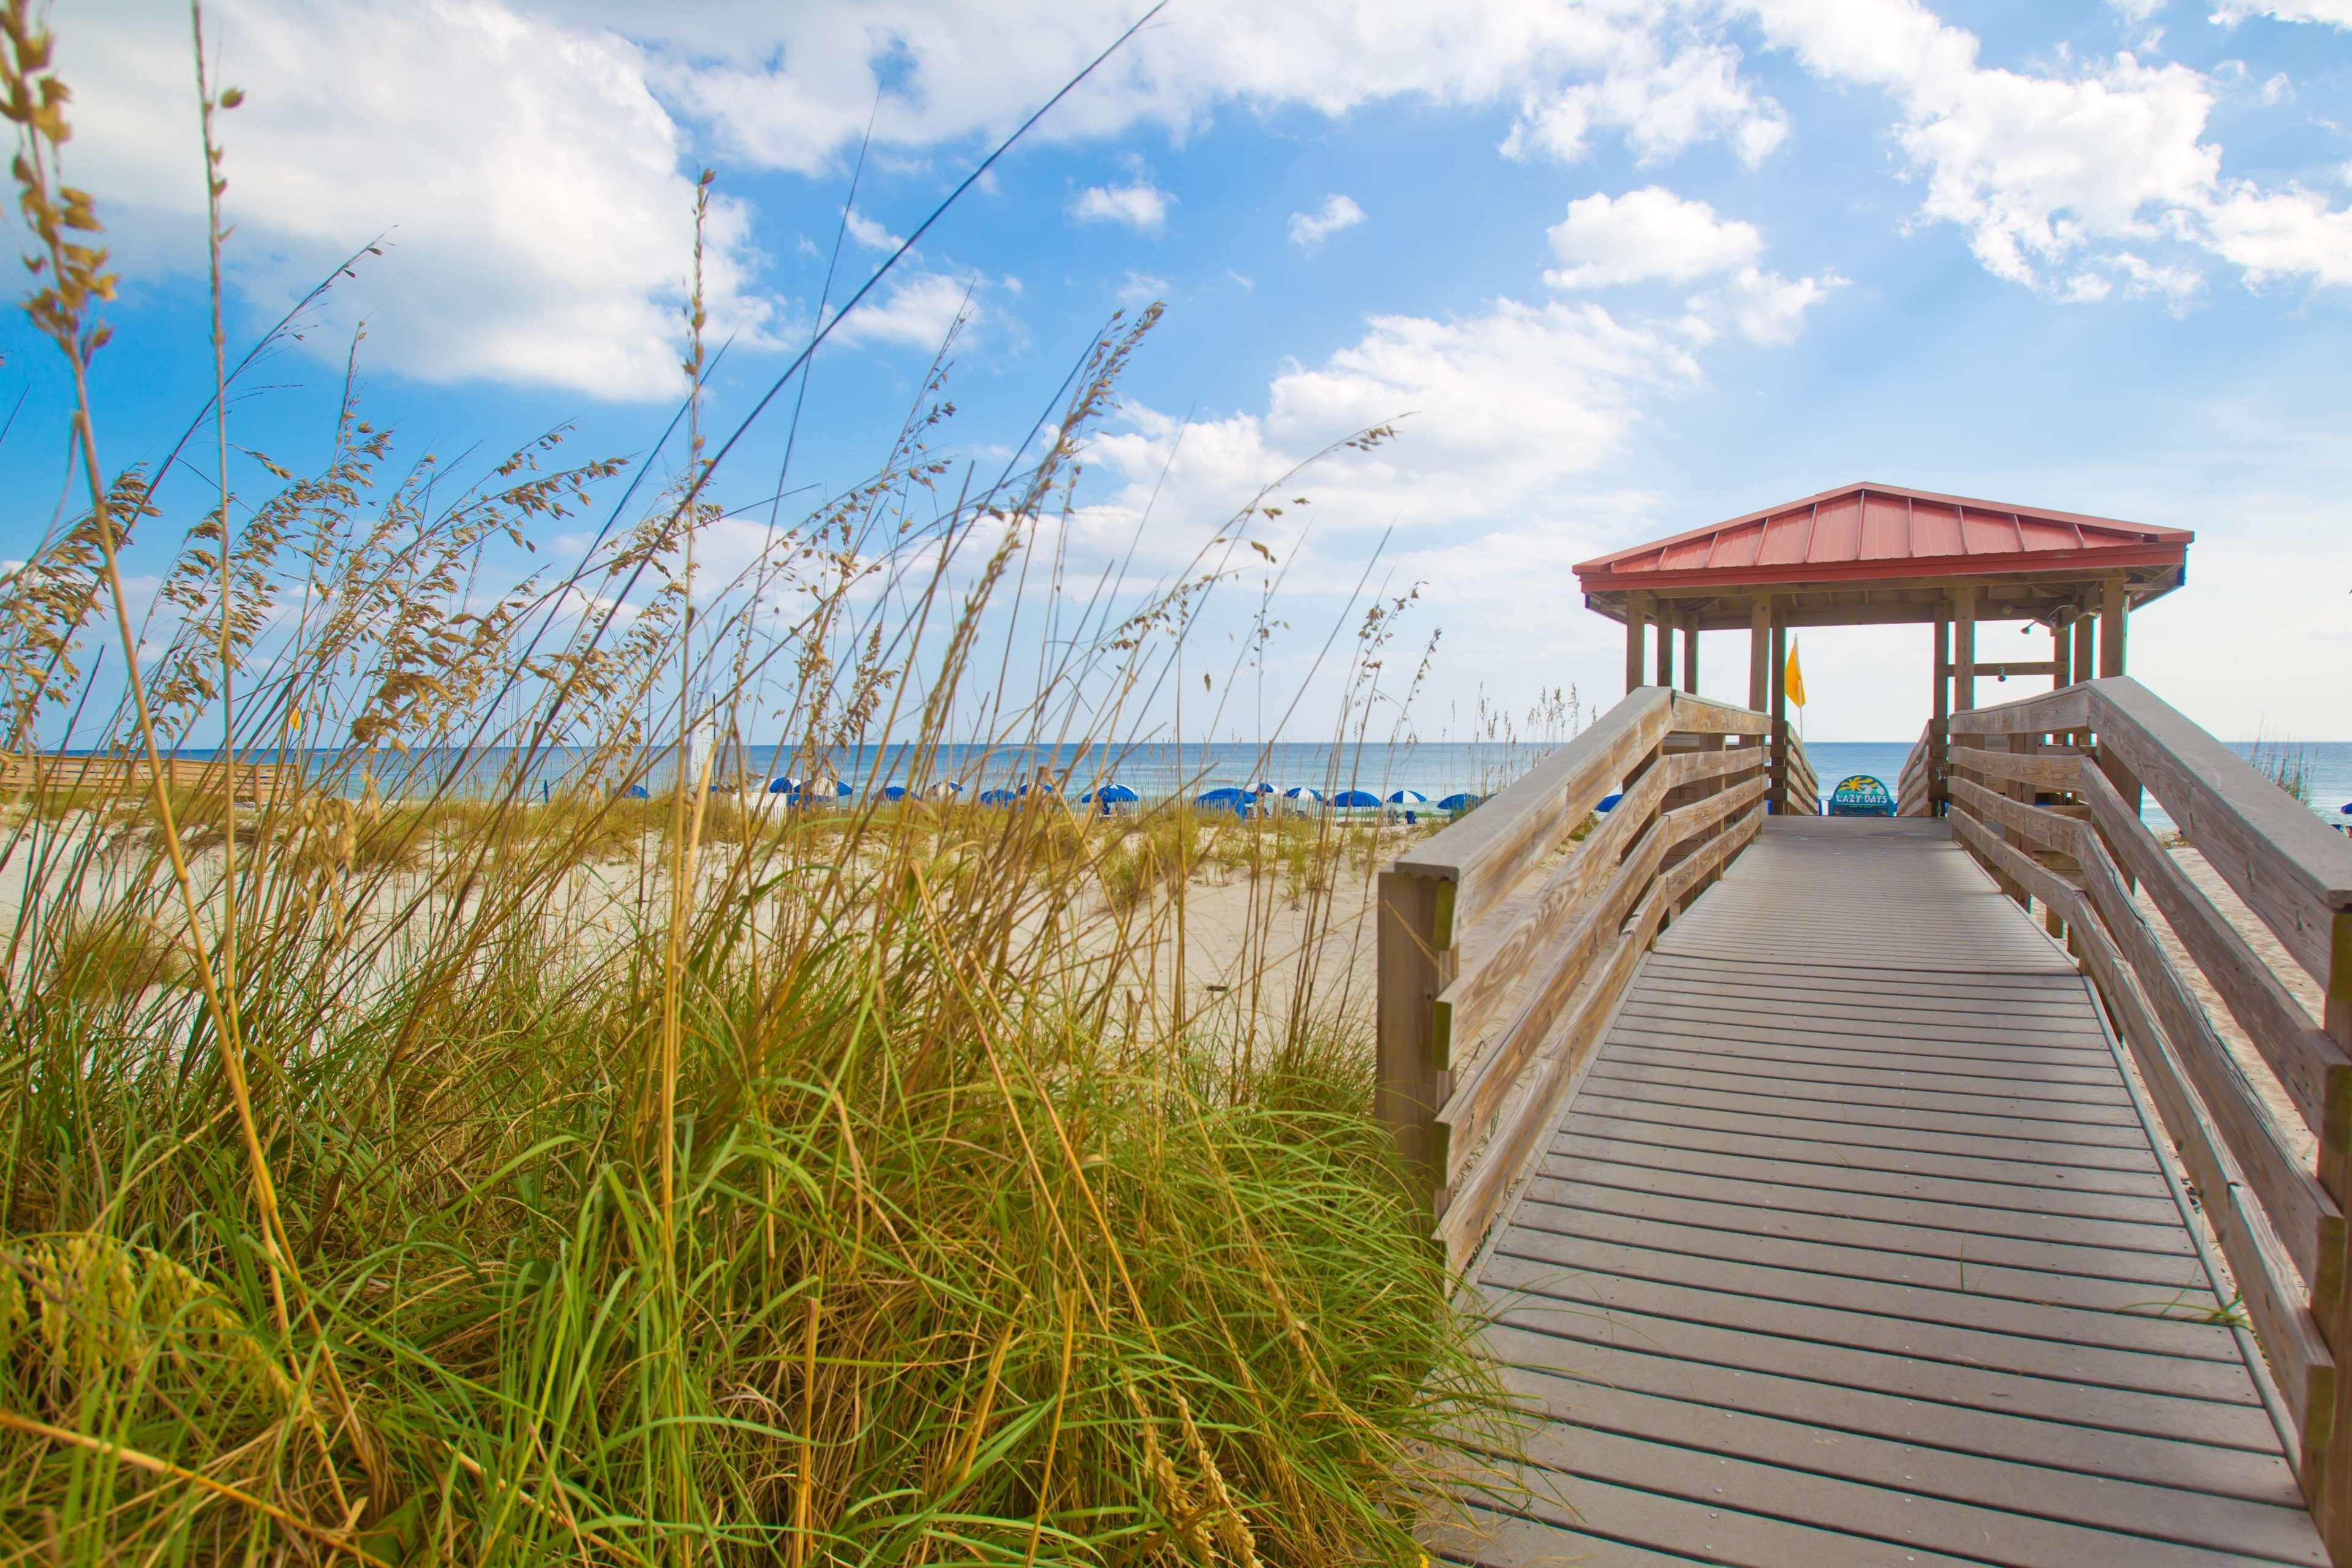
(1416, 961)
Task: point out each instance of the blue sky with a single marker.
(1629, 268)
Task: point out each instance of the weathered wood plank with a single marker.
(1555, 1255)
(1815, 1152)
(2264, 1268)
(1751, 1080)
(1487, 852)
(1878, 1237)
(2205, 1476)
(2046, 830)
(2288, 866)
(1768, 1192)
(1971, 1387)
(2305, 1218)
(2311, 1069)
(1577, 1150)
(1466, 1006)
(2037, 715)
(2193, 1301)
(1474, 1205)
(1906, 1496)
(2043, 770)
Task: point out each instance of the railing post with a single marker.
(2327, 1485)
(1416, 961)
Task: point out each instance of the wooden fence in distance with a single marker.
(50, 773)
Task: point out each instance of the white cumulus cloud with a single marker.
(1653, 235)
(536, 197)
(1645, 234)
(1308, 230)
(2057, 178)
(1139, 204)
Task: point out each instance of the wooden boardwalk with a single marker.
(1853, 1247)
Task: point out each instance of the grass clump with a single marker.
(673, 1178)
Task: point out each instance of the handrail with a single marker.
(1804, 784)
(1915, 791)
(2056, 820)
(47, 771)
(1458, 1036)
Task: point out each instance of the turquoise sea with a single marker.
(1158, 770)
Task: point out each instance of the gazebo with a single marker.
(1867, 554)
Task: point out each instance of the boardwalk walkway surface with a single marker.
(1853, 1247)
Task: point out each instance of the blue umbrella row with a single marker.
(798, 790)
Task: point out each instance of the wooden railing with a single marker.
(2045, 792)
(1501, 960)
(53, 775)
(1804, 796)
(1915, 786)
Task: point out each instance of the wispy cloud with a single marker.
(1308, 230)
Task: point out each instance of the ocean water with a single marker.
(2328, 770)
(1158, 771)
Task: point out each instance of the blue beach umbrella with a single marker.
(1609, 802)
(1408, 797)
(1109, 794)
(841, 787)
(1262, 787)
(785, 786)
(1225, 795)
(997, 797)
(1459, 801)
(894, 791)
(1355, 799)
(1300, 792)
(639, 792)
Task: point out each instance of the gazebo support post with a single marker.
(1964, 647)
(1940, 731)
(2113, 608)
(1690, 653)
(1779, 795)
(1759, 652)
(1665, 617)
(2086, 660)
(2058, 644)
(1635, 604)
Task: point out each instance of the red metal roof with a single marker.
(1877, 533)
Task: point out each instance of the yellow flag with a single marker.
(1794, 678)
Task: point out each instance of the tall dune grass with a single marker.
(391, 1178)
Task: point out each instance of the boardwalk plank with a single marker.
(1904, 1521)
(2203, 1470)
(1969, 1276)
(1931, 1304)
(2020, 1225)
(1919, 1112)
(2164, 1518)
(1853, 1248)
(1771, 1079)
(1785, 1122)
(1669, 1133)
(1540, 1285)
(2156, 1209)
